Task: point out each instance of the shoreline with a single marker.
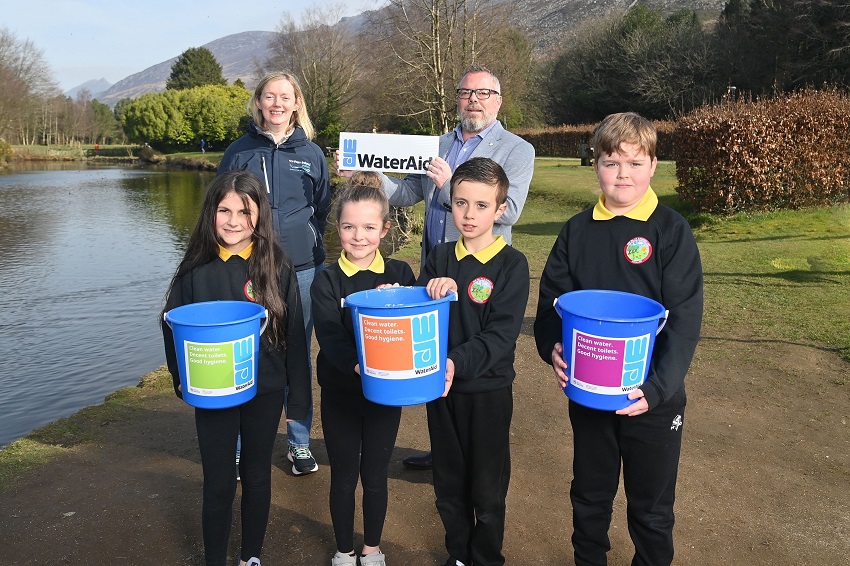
(173, 161)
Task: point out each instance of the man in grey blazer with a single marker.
(479, 134)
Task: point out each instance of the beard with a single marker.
(474, 123)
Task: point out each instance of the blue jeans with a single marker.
(298, 432)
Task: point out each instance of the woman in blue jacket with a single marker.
(293, 170)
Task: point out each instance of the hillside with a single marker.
(235, 53)
(549, 23)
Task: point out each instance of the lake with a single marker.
(86, 256)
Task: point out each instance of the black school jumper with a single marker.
(226, 278)
(649, 251)
(470, 428)
(359, 434)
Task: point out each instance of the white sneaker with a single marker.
(376, 558)
(340, 559)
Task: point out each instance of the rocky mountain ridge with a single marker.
(549, 23)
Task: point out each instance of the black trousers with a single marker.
(648, 446)
(470, 445)
(257, 420)
(360, 437)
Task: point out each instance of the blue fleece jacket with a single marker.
(295, 174)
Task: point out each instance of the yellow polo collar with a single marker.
(484, 255)
(642, 211)
(377, 265)
(225, 255)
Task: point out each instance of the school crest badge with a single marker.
(638, 250)
(249, 292)
(480, 289)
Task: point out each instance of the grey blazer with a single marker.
(514, 154)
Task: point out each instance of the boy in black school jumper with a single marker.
(627, 242)
(470, 425)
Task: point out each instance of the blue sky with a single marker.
(111, 39)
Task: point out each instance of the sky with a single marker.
(85, 40)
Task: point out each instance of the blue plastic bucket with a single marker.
(608, 338)
(217, 345)
(402, 340)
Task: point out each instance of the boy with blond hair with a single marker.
(646, 436)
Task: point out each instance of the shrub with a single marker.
(5, 151)
(150, 155)
(788, 152)
(566, 141)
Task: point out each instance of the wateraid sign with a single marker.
(387, 152)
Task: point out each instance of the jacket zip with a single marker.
(265, 175)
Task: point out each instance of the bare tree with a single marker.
(25, 78)
(321, 51)
(431, 42)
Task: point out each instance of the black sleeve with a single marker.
(407, 277)
(179, 295)
(682, 296)
(328, 316)
(554, 282)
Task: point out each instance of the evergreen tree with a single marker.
(196, 66)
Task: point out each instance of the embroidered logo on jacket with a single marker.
(297, 165)
(480, 290)
(249, 291)
(638, 250)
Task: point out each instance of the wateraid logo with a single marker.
(349, 153)
(243, 361)
(424, 340)
(635, 360)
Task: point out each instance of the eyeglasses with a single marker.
(480, 93)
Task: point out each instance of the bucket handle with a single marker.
(266, 321)
(663, 321)
(660, 326)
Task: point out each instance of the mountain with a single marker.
(548, 23)
(235, 53)
(95, 87)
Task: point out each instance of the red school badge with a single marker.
(637, 250)
(249, 292)
(480, 289)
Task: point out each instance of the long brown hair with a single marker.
(267, 257)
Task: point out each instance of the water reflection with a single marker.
(86, 257)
